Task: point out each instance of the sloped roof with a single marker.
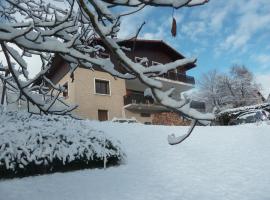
(58, 62)
(158, 44)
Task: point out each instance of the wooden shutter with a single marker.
(102, 115)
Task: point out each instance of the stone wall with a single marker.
(169, 118)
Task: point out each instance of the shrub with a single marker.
(46, 144)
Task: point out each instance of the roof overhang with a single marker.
(60, 66)
(146, 108)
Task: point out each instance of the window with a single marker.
(102, 115)
(102, 86)
(145, 115)
(65, 92)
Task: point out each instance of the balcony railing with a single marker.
(137, 99)
(179, 77)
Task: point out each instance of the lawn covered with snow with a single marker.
(214, 163)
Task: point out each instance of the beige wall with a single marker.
(89, 102)
(82, 93)
(71, 88)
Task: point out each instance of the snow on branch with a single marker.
(71, 31)
(156, 86)
(177, 140)
(169, 3)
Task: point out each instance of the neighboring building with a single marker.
(101, 96)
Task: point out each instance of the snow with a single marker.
(221, 163)
(26, 140)
(247, 115)
(173, 3)
(244, 108)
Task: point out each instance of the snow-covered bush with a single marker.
(45, 144)
(227, 116)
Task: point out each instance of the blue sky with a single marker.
(219, 33)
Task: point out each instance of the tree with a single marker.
(245, 88)
(44, 29)
(209, 90)
(236, 89)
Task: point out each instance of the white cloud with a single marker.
(264, 60)
(215, 14)
(251, 21)
(159, 34)
(218, 19)
(207, 22)
(131, 23)
(161, 29)
(264, 81)
(194, 29)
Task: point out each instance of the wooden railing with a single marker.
(137, 99)
(179, 77)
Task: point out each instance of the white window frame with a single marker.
(102, 79)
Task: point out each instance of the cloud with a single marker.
(264, 81)
(215, 14)
(209, 19)
(217, 21)
(160, 28)
(131, 23)
(263, 60)
(194, 29)
(251, 20)
(159, 33)
(249, 25)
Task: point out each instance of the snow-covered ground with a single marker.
(214, 163)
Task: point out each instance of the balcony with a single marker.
(139, 103)
(180, 82)
(179, 77)
(137, 99)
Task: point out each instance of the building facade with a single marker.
(101, 96)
